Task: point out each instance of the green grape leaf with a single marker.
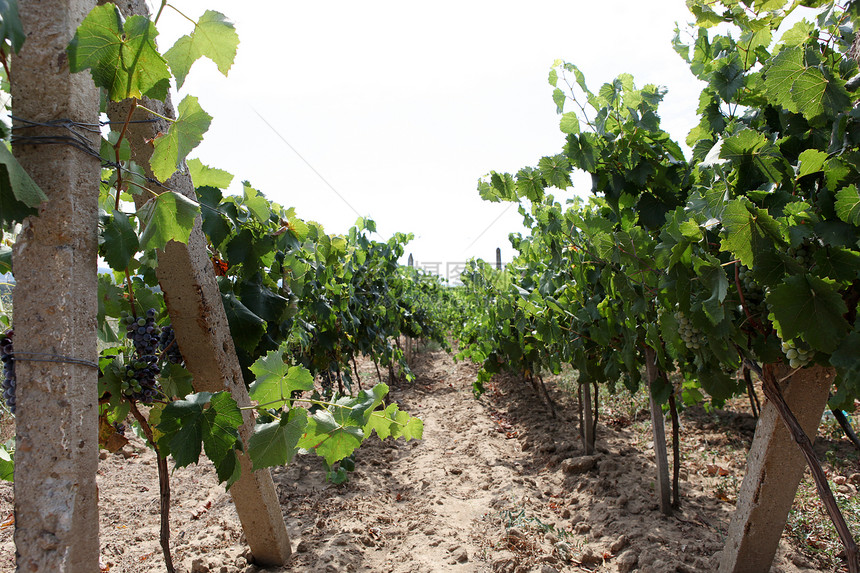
(176, 381)
(332, 440)
(167, 217)
(558, 97)
(555, 170)
(809, 307)
(394, 422)
(817, 93)
(751, 146)
(171, 149)
(848, 205)
(276, 443)
(361, 406)
(569, 122)
(261, 300)
(7, 464)
(214, 37)
(784, 70)
(120, 241)
(275, 380)
(837, 263)
(210, 420)
(19, 194)
(215, 224)
(246, 327)
(11, 29)
(811, 161)
(205, 176)
(844, 359)
(751, 231)
(257, 203)
(121, 56)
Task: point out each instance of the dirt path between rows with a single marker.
(495, 485)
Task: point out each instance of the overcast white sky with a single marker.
(402, 106)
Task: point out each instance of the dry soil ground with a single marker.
(495, 485)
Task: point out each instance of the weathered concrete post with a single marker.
(193, 300)
(55, 265)
(658, 430)
(775, 466)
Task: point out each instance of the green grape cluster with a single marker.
(691, 335)
(802, 253)
(798, 356)
(754, 294)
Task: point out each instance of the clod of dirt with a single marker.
(578, 465)
(627, 561)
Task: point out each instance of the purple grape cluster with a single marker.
(167, 344)
(140, 378)
(7, 357)
(143, 332)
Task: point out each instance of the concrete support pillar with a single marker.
(55, 265)
(775, 466)
(193, 300)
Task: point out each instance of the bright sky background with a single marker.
(403, 106)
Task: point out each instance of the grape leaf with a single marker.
(19, 194)
(11, 29)
(257, 204)
(275, 380)
(167, 217)
(262, 300)
(750, 146)
(276, 443)
(811, 161)
(329, 438)
(246, 327)
(569, 122)
(214, 37)
(120, 241)
(785, 68)
(751, 231)
(176, 381)
(394, 422)
(7, 464)
(360, 407)
(558, 97)
(848, 205)
(809, 307)
(210, 420)
(205, 176)
(121, 56)
(817, 93)
(184, 134)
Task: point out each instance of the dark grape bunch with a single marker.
(691, 336)
(140, 378)
(167, 344)
(143, 332)
(7, 357)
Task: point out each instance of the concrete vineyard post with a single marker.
(775, 466)
(55, 266)
(658, 429)
(193, 300)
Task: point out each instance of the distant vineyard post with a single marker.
(55, 347)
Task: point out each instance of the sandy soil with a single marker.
(496, 485)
